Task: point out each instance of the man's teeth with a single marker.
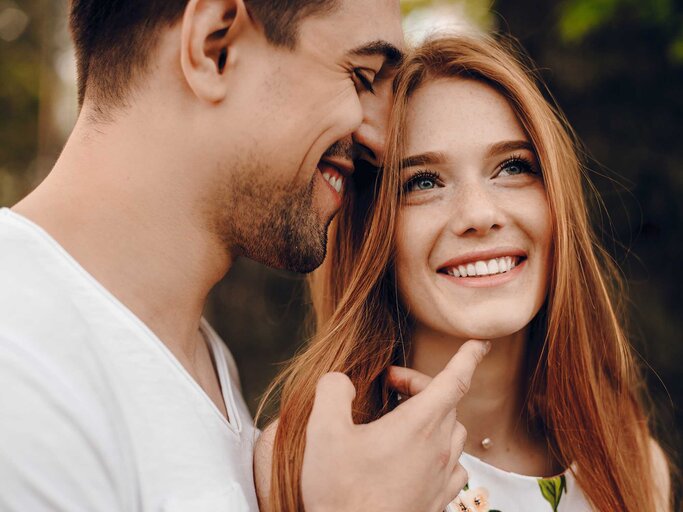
(484, 268)
(335, 181)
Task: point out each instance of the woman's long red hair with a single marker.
(583, 394)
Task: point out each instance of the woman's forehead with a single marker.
(452, 115)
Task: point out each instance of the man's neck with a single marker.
(115, 200)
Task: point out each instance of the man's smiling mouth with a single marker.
(335, 171)
(333, 177)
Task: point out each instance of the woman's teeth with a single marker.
(484, 268)
(335, 181)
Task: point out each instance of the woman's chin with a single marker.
(490, 329)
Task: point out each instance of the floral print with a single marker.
(473, 500)
(477, 500)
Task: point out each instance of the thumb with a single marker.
(334, 395)
(406, 381)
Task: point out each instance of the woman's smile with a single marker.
(485, 268)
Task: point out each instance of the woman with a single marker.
(477, 228)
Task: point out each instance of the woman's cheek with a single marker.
(414, 239)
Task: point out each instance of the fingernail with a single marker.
(487, 347)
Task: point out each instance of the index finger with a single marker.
(453, 382)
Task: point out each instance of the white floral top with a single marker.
(494, 490)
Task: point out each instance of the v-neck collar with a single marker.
(224, 378)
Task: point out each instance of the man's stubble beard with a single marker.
(269, 222)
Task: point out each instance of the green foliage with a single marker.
(676, 48)
(477, 11)
(20, 95)
(409, 5)
(580, 18)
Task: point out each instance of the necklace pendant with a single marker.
(486, 443)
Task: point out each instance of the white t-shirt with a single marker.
(96, 414)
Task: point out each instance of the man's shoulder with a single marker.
(48, 312)
(36, 287)
(31, 263)
(20, 237)
(61, 399)
(30, 273)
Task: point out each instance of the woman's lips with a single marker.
(485, 273)
(480, 268)
(484, 255)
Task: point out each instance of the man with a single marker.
(209, 130)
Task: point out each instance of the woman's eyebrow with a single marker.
(509, 145)
(428, 158)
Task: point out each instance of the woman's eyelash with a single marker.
(522, 161)
(419, 176)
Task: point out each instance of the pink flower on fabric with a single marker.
(473, 500)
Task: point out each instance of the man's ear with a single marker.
(208, 31)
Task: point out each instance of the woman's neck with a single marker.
(494, 406)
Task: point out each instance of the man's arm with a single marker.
(57, 452)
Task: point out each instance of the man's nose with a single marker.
(370, 143)
(370, 138)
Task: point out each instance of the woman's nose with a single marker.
(474, 210)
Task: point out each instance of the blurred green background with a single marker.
(614, 66)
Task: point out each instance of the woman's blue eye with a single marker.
(424, 184)
(420, 182)
(516, 166)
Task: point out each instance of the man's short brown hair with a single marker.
(114, 38)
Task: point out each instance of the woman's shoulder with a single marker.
(263, 463)
(661, 475)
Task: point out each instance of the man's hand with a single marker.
(407, 461)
